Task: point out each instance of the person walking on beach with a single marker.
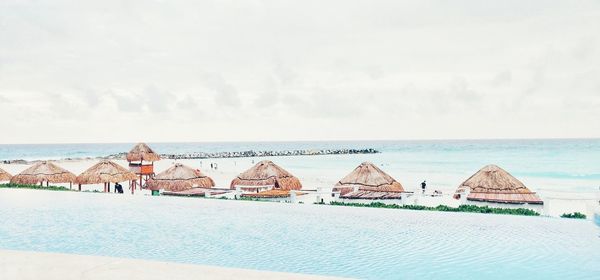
(423, 186)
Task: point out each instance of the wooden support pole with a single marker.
(108, 186)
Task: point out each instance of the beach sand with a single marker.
(556, 202)
(52, 266)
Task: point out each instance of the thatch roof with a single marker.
(368, 177)
(271, 194)
(141, 152)
(494, 184)
(4, 176)
(178, 178)
(105, 172)
(267, 173)
(43, 171)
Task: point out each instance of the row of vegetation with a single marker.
(34, 187)
(444, 208)
(576, 215)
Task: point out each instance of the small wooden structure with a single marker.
(141, 160)
(368, 181)
(266, 175)
(493, 184)
(44, 171)
(179, 178)
(106, 172)
(4, 176)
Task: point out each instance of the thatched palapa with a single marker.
(105, 172)
(4, 176)
(368, 177)
(43, 171)
(267, 173)
(142, 152)
(179, 178)
(494, 184)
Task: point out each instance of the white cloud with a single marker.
(298, 70)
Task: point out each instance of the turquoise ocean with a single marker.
(542, 164)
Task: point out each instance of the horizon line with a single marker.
(322, 140)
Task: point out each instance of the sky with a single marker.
(170, 71)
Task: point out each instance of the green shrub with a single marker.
(34, 187)
(443, 208)
(575, 215)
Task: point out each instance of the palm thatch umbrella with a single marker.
(105, 172)
(142, 152)
(494, 184)
(136, 158)
(267, 173)
(41, 172)
(368, 177)
(179, 178)
(4, 176)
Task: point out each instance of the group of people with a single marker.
(424, 187)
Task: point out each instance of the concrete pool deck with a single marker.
(23, 265)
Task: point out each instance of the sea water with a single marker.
(313, 239)
(571, 165)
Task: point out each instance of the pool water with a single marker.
(312, 239)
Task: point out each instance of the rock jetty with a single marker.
(203, 155)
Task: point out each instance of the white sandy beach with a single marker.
(556, 202)
(52, 266)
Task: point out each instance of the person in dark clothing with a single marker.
(118, 188)
(423, 186)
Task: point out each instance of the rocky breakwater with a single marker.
(201, 155)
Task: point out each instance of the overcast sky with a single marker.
(126, 71)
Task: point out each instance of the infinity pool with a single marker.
(312, 239)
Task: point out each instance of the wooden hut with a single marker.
(368, 181)
(44, 171)
(141, 160)
(263, 176)
(106, 172)
(179, 178)
(4, 176)
(493, 184)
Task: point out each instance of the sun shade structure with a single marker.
(4, 176)
(267, 173)
(105, 172)
(43, 171)
(142, 152)
(494, 184)
(141, 160)
(179, 178)
(368, 178)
